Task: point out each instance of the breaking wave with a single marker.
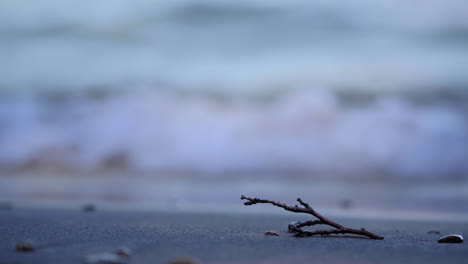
(306, 130)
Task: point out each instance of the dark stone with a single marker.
(89, 208)
(6, 206)
(124, 252)
(453, 238)
(25, 246)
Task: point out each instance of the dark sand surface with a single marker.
(67, 236)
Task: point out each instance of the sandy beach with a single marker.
(137, 125)
(68, 236)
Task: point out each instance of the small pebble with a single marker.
(25, 246)
(184, 261)
(433, 232)
(271, 233)
(453, 238)
(346, 204)
(6, 206)
(88, 208)
(124, 252)
(104, 258)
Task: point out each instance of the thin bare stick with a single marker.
(307, 209)
(361, 232)
(308, 223)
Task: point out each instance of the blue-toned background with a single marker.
(131, 94)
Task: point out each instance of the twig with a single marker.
(306, 209)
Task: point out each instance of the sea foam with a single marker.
(307, 130)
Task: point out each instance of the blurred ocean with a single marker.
(375, 89)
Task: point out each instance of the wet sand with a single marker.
(332, 196)
(67, 236)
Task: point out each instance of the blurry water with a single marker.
(367, 88)
(307, 131)
(241, 46)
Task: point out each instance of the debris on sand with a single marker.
(453, 238)
(25, 246)
(105, 258)
(271, 233)
(296, 227)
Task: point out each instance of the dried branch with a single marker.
(295, 227)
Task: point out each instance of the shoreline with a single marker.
(373, 200)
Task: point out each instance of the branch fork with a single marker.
(296, 227)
